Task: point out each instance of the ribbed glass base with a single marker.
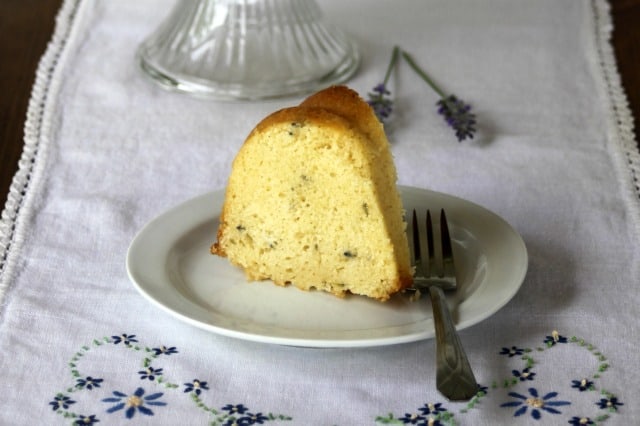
(247, 49)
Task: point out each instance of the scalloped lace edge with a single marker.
(620, 121)
(26, 183)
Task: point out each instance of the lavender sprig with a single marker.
(380, 99)
(456, 112)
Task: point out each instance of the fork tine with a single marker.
(447, 249)
(414, 246)
(432, 269)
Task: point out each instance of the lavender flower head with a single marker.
(380, 102)
(379, 98)
(458, 116)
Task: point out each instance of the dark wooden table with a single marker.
(26, 27)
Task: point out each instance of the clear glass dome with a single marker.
(247, 49)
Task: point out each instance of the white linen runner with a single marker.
(106, 151)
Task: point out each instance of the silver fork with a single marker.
(454, 377)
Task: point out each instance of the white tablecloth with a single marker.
(106, 151)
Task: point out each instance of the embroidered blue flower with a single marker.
(432, 409)
(88, 383)
(86, 420)
(524, 375)
(235, 409)
(136, 402)
(535, 403)
(583, 384)
(483, 390)
(127, 339)
(512, 351)
(555, 338)
(61, 401)
(150, 373)
(196, 386)
(579, 421)
(249, 419)
(163, 350)
(610, 403)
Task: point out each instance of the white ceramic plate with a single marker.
(169, 263)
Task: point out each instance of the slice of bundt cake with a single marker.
(312, 201)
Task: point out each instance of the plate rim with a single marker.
(406, 191)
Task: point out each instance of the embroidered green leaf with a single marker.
(529, 360)
(272, 416)
(389, 420)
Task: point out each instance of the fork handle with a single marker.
(454, 377)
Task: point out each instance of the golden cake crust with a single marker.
(346, 103)
(323, 168)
